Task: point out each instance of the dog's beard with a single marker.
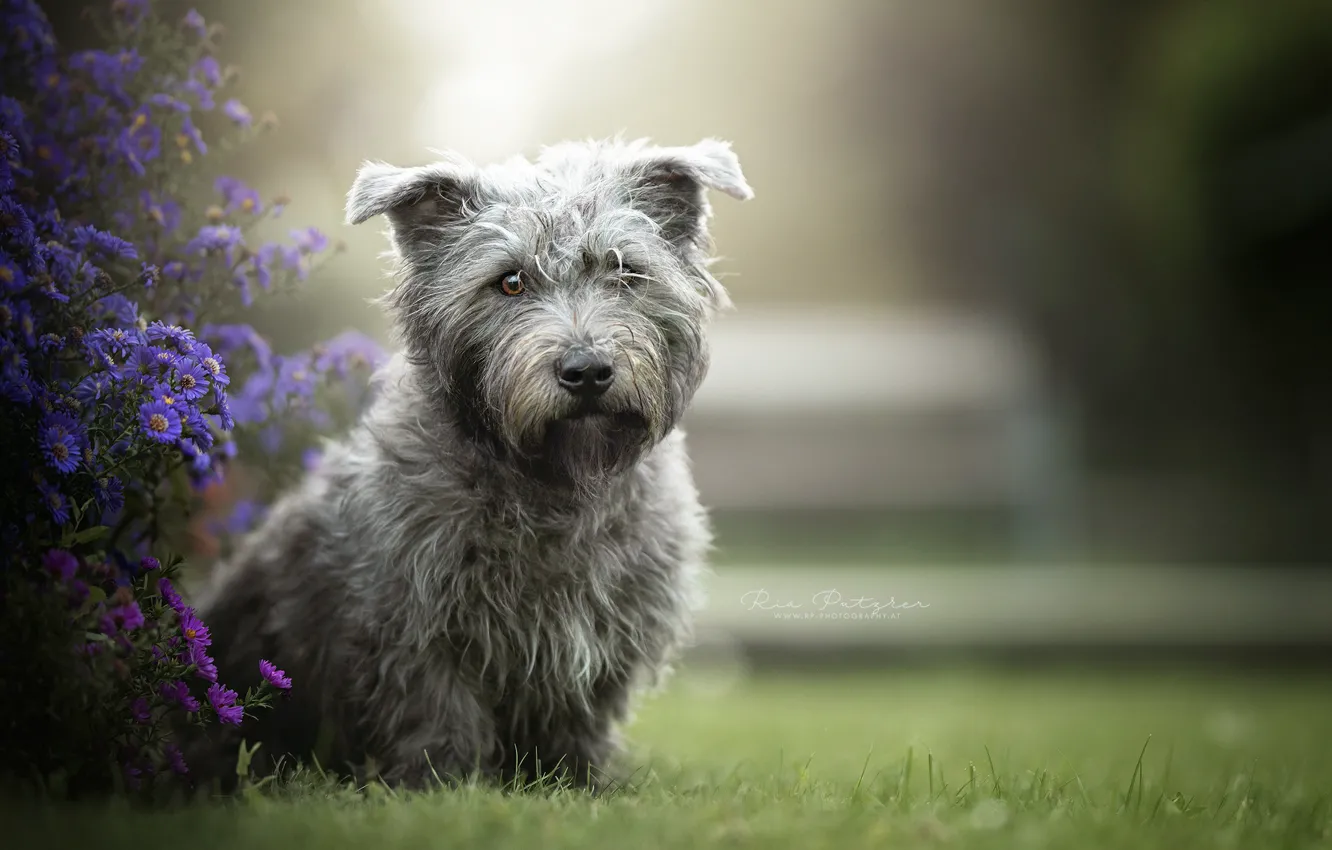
(590, 445)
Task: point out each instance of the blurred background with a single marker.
(1032, 303)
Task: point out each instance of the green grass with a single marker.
(844, 761)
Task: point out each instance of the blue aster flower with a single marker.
(190, 379)
(12, 277)
(309, 240)
(15, 224)
(164, 211)
(61, 441)
(159, 422)
(194, 22)
(123, 310)
(55, 502)
(165, 358)
(195, 428)
(189, 134)
(91, 388)
(237, 196)
(140, 143)
(167, 395)
(109, 495)
(236, 111)
(182, 338)
(215, 237)
(208, 70)
(225, 419)
(86, 237)
(119, 342)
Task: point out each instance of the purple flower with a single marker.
(164, 358)
(208, 69)
(166, 212)
(190, 380)
(12, 278)
(310, 240)
(224, 703)
(87, 237)
(160, 331)
(236, 111)
(204, 95)
(123, 310)
(193, 629)
(274, 676)
(225, 419)
(229, 338)
(215, 369)
(194, 22)
(205, 668)
(168, 396)
(175, 760)
(128, 617)
(140, 142)
(170, 596)
(109, 495)
(60, 564)
(178, 693)
(296, 377)
(140, 711)
(61, 448)
(18, 316)
(244, 515)
(159, 422)
(190, 134)
(117, 341)
(55, 503)
(214, 237)
(237, 195)
(148, 563)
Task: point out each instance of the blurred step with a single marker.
(819, 608)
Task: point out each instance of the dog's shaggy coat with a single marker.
(479, 577)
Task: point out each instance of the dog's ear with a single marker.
(410, 197)
(670, 185)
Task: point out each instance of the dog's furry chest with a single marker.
(559, 613)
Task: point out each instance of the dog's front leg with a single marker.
(580, 745)
(439, 734)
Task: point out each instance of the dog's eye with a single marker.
(513, 283)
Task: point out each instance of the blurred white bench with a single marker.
(839, 409)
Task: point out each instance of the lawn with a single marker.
(842, 760)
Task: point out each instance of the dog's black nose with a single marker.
(585, 373)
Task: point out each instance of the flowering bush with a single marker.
(128, 387)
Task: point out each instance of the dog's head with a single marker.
(557, 308)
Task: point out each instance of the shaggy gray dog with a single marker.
(508, 545)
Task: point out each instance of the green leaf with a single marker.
(88, 535)
(243, 758)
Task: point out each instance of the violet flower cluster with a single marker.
(129, 386)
